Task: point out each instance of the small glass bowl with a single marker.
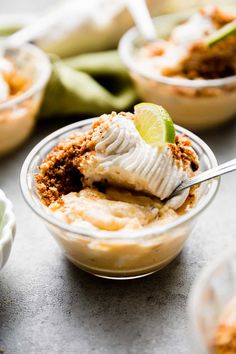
(123, 254)
(17, 115)
(194, 104)
(212, 291)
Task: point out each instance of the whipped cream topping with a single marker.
(123, 158)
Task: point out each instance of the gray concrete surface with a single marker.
(49, 306)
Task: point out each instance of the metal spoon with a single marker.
(142, 19)
(206, 175)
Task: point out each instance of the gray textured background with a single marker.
(49, 306)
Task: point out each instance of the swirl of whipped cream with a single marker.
(123, 158)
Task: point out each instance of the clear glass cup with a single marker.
(121, 254)
(194, 104)
(18, 114)
(211, 292)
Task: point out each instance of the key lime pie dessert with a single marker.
(120, 174)
(106, 188)
(190, 69)
(203, 47)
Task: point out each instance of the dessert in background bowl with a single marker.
(103, 185)
(7, 228)
(212, 307)
(24, 73)
(190, 69)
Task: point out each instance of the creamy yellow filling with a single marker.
(113, 210)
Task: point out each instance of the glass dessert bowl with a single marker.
(24, 73)
(131, 245)
(212, 307)
(194, 101)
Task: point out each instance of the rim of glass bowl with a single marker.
(201, 282)
(127, 45)
(8, 225)
(25, 188)
(45, 71)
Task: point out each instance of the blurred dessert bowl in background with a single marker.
(212, 306)
(190, 69)
(103, 190)
(24, 73)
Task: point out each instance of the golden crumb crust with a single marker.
(58, 174)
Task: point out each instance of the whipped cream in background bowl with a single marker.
(193, 103)
(24, 73)
(123, 252)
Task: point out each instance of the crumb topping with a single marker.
(58, 174)
(183, 151)
(219, 17)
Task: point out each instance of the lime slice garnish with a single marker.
(221, 34)
(154, 124)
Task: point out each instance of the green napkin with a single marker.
(89, 84)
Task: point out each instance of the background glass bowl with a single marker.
(17, 115)
(123, 254)
(212, 291)
(194, 104)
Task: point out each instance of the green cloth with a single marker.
(89, 84)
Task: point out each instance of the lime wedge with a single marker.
(221, 34)
(154, 124)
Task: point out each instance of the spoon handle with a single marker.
(141, 16)
(206, 175)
